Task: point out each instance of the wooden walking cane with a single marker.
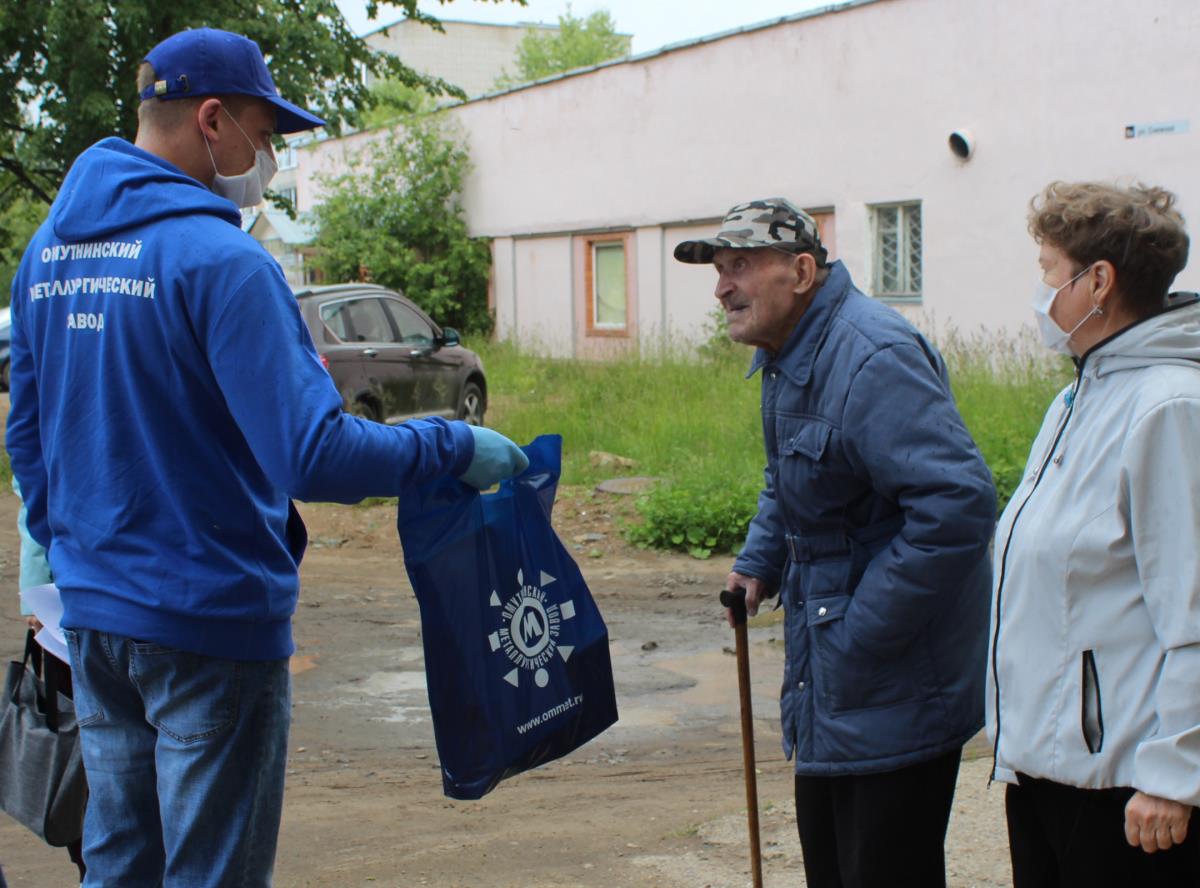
(736, 602)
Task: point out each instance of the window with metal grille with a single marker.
(897, 259)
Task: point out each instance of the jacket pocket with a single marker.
(851, 678)
(805, 438)
(804, 451)
(1091, 710)
(814, 482)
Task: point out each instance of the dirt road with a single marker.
(655, 801)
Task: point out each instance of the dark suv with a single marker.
(388, 359)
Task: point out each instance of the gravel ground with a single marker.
(657, 800)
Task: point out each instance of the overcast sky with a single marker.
(652, 23)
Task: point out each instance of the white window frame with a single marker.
(594, 324)
(908, 293)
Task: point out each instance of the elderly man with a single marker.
(166, 403)
(873, 526)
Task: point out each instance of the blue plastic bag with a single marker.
(516, 652)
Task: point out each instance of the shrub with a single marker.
(696, 518)
(395, 218)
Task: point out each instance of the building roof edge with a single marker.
(830, 9)
(452, 21)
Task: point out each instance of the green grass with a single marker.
(694, 421)
(688, 418)
(678, 419)
(1003, 385)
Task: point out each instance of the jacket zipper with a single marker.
(1058, 435)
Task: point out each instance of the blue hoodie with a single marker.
(167, 401)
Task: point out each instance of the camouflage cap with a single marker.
(771, 222)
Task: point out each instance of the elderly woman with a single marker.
(1094, 669)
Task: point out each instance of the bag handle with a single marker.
(46, 690)
(50, 672)
(33, 651)
(31, 656)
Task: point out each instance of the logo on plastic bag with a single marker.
(529, 628)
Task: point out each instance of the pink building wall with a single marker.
(837, 111)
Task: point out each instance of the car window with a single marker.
(334, 317)
(370, 321)
(413, 328)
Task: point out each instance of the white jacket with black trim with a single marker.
(1094, 662)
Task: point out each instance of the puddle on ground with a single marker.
(630, 716)
(715, 674)
(711, 676)
(387, 684)
(408, 715)
(710, 680)
(396, 655)
(401, 694)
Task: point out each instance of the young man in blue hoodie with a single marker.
(167, 403)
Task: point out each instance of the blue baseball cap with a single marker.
(208, 62)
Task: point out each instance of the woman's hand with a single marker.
(34, 623)
(1155, 824)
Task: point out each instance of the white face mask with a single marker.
(245, 189)
(1053, 336)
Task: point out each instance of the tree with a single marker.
(391, 100)
(70, 67)
(19, 219)
(394, 217)
(577, 43)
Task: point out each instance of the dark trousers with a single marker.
(863, 831)
(1064, 836)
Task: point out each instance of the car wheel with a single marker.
(470, 408)
(366, 409)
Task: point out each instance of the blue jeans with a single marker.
(185, 757)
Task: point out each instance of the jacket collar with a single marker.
(1179, 305)
(795, 360)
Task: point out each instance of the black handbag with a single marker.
(42, 783)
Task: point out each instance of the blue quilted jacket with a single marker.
(874, 524)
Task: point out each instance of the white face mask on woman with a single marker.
(1053, 336)
(245, 189)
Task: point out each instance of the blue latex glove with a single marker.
(496, 458)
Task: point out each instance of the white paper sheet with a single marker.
(46, 605)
